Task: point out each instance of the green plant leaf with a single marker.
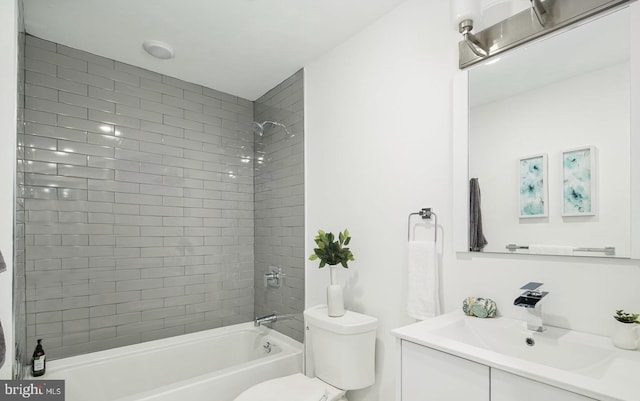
(625, 317)
(332, 252)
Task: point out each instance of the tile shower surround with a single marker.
(139, 199)
(279, 203)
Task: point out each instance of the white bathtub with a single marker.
(214, 365)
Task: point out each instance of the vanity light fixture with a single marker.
(492, 61)
(540, 10)
(158, 49)
(463, 13)
(474, 44)
(544, 17)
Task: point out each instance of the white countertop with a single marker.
(583, 363)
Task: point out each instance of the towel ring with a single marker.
(425, 213)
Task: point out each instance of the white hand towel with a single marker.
(550, 250)
(424, 288)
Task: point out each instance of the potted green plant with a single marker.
(625, 335)
(624, 317)
(333, 252)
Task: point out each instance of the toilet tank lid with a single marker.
(349, 323)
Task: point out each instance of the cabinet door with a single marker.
(430, 375)
(509, 387)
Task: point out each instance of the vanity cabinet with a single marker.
(508, 387)
(428, 374)
(431, 375)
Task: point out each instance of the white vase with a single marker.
(625, 335)
(335, 301)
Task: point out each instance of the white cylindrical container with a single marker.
(335, 300)
(625, 336)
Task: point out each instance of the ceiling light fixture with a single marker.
(158, 49)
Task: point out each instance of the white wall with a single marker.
(378, 146)
(8, 106)
(378, 123)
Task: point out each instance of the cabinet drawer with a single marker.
(508, 387)
(431, 375)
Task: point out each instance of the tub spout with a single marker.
(272, 318)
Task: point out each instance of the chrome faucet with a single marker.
(530, 299)
(272, 318)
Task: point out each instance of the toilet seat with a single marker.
(296, 387)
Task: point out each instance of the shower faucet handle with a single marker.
(272, 277)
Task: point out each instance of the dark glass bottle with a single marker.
(38, 363)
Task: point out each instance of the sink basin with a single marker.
(510, 337)
(579, 362)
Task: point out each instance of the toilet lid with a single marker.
(296, 387)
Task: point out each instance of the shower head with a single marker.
(474, 44)
(258, 128)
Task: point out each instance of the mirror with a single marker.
(549, 141)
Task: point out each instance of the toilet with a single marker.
(343, 352)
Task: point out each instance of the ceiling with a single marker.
(242, 47)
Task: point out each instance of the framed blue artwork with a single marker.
(579, 182)
(534, 197)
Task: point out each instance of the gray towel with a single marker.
(477, 241)
(3, 266)
(2, 346)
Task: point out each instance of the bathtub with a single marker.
(214, 365)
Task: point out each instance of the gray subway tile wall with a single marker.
(140, 203)
(279, 203)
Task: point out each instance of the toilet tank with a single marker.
(343, 347)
